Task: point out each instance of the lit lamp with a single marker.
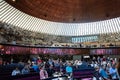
(13, 0)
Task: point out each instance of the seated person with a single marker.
(103, 73)
(50, 71)
(25, 70)
(35, 67)
(69, 70)
(43, 73)
(113, 72)
(16, 72)
(97, 74)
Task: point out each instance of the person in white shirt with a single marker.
(79, 63)
(16, 72)
(92, 64)
(113, 72)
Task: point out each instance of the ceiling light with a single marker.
(13, 0)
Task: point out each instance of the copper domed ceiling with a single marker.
(69, 11)
(15, 17)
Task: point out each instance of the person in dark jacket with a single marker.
(50, 71)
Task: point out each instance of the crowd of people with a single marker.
(108, 68)
(105, 67)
